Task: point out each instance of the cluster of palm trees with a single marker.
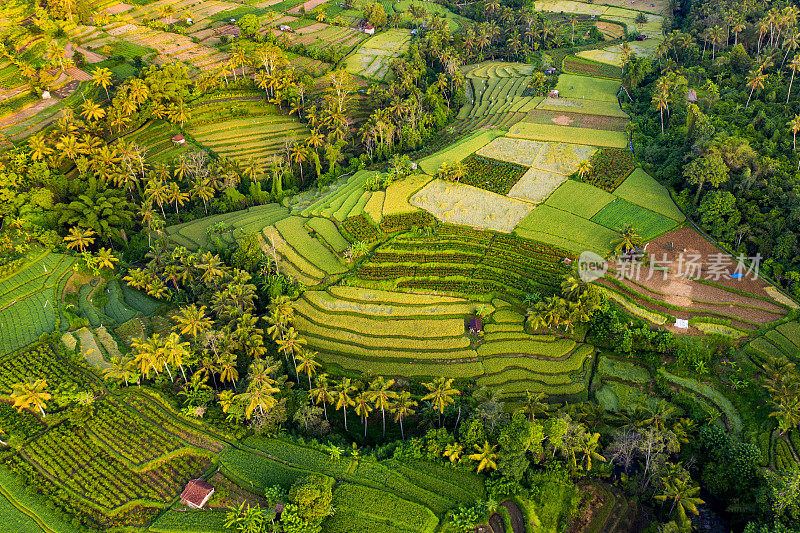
(578, 303)
(452, 171)
(382, 395)
(31, 395)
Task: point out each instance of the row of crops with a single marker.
(480, 263)
(199, 233)
(131, 458)
(372, 495)
(30, 299)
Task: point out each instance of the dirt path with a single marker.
(497, 524)
(517, 518)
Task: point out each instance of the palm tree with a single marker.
(453, 452)
(175, 195)
(102, 78)
(322, 392)
(587, 446)
(535, 403)
(794, 66)
(261, 398)
(39, 148)
(794, 126)
(755, 80)
(364, 407)
(80, 239)
(192, 321)
(291, 343)
(441, 394)
(402, 407)
(31, 394)
(202, 189)
(628, 240)
(584, 168)
(175, 351)
(381, 395)
(92, 110)
(343, 392)
(485, 457)
(716, 34)
(661, 101)
(308, 364)
(120, 369)
(683, 495)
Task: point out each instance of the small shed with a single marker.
(178, 139)
(681, 323)
(46, 95)
(368, 28)
(284, 27)
(551, 70)
(691, 96)
(553, 93)
(475, 325)
(196, 493)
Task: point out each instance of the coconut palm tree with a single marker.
(91, 110)
(794, 126)
(441, 394)
(291, 343)
(363, 403)
(308, 364)
(403, 407)
(485, 456)
(381, 395)
(322, 392)
(794, 66)
(192, 321)
(584, 168)
(628, 240)
(102, 78)
(79, 239)
(31, 395)
(343, 392)
(682, 492)
(755, 80)
(587, 446)
(661, 101)
(453, 452)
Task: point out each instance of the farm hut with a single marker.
(475, 325)
(691, 96)
(46, 95)
(368, 28)
(179, 139)
(284, 27)
(196, 493)
(681, 323)
(553, 93)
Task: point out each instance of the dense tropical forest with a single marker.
(319, 266)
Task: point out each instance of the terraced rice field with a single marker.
(494, 94)
(393, 333)
(567, 134)
(155, 137)
(29, 299)
(373, 58)
(261, 134)
(456, 203)
(783, 341)
(195, 235)
(618, 213)
(300, 255)
(320, 35)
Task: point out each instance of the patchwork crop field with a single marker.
(372, 60)
(567, 134)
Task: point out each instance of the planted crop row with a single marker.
(67, 455)
(710, 393)
(381, 505)
(610, 167)
(359, 229)
(406, 221)
(41, 362)
(131, 438)
(490, 174)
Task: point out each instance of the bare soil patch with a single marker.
(309, 5)
(496, 523)
(578, 120)
(609, 29)
(116, 9)
(517, 518)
